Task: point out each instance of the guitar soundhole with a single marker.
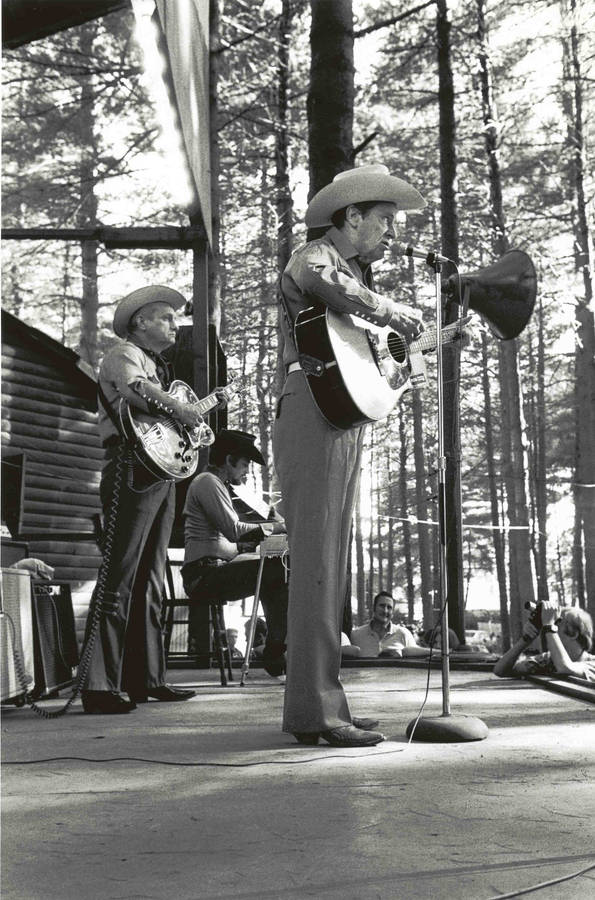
(396, 347)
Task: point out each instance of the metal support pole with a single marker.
(443, 575)
(446, 728)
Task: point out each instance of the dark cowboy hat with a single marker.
(131, 303)
(360, 185)
(237, 443)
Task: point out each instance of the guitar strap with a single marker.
(285, 313)
(109, 410)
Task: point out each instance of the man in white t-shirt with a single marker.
(380, 636)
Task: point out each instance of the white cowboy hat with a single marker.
(360, 185)
(131, 303)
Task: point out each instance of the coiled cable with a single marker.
(99, 602)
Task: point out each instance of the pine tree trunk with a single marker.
(331, 92)
(391, 527)
(87, 210)
(405, 526)
(427, 536)
(261, 374)
(522, 589)
(283, 201)
(451, 358)
(66, 287)
(359, 557)
(541, 465)
(379, 541)
(214, 274)
(578, 569)
(584, 315)
(497, 520)
(371, 579)
(512, 430)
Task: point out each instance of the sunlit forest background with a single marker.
(85, 145)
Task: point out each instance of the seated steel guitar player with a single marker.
(127, 653)
(219, 556)
(317, 461)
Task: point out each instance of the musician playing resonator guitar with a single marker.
(127, 653)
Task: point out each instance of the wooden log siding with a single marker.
(49, 414)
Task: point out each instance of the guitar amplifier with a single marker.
(54, 637)
(16, 635)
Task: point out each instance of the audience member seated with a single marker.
(380, 636)
(260, 637)
(433, 638)
(348, 650)
(568, 635)
(232, 639)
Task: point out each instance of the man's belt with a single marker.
(194, 572)
(293, 367)
(207, 561)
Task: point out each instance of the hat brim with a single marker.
(360, 187)
(131, 303)
(255, 455)
(238, 447)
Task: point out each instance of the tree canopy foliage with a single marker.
(79, 126)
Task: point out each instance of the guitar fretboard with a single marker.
(428, 339)
(207, 403)
(211, 400)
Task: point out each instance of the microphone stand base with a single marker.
(448, 729)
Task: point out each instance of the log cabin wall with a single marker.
(49, 421)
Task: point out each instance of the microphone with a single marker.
(431, 257)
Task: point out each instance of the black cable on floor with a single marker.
(218, 765)
(542, 884)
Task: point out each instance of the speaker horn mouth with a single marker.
(503, 294)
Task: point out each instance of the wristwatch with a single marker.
(550, 629)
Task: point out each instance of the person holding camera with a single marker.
(568, 635)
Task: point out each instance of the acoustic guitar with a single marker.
(168, 449)
(357, 372)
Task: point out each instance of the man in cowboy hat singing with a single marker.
(319, 465)
(128, 649)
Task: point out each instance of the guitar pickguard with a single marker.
(386, 356)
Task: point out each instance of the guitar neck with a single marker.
(207, 403)
(428, 339)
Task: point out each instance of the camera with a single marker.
(535, 614)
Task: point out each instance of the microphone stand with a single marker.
(445, 728)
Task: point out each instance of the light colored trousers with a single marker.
(318, 468)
